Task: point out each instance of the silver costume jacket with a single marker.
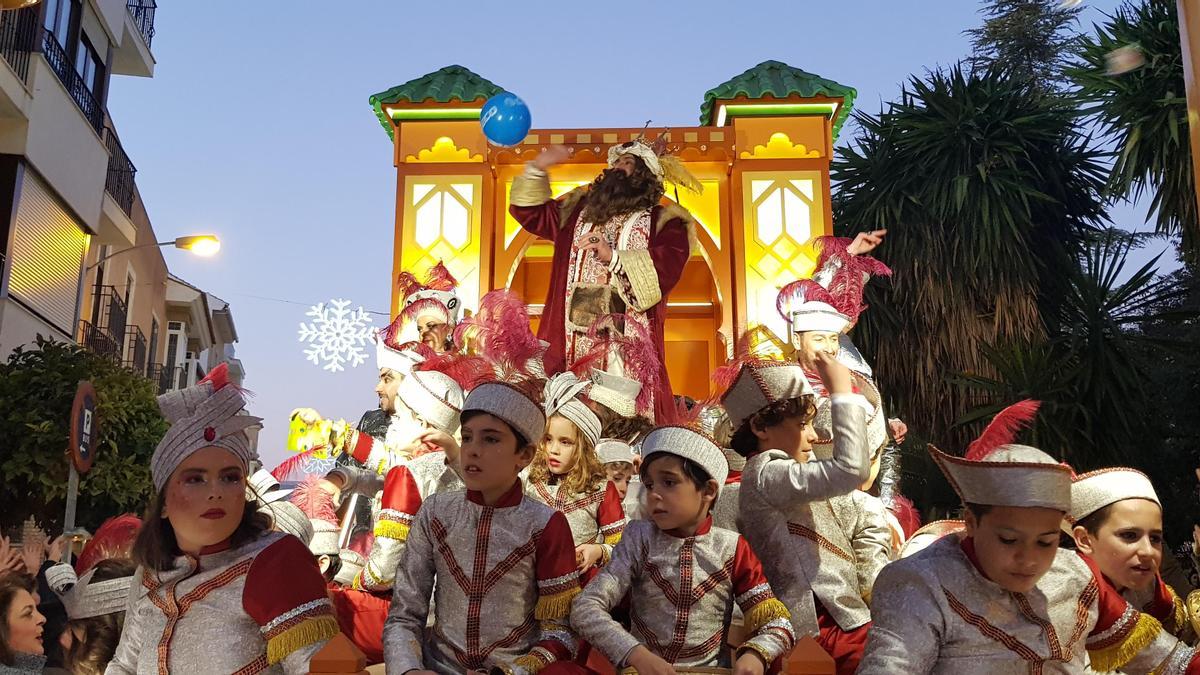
(682, 593)
(502, 578)
(934, 612)
(406, 487)
(258, 608)
(801, 529)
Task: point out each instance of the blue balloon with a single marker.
(505, 119)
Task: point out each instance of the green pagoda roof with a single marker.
(452, 83)
(779, 80)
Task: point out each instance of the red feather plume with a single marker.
(113, 540)
(905, 512)
(407, 284)
(424, 306)
(799, 292)
(500, 332)
(468, 371)
(1002, 429)
(440, 279)
(293, 464)
(636, 347)
(362, 543)
(846, 286)
(315, 502)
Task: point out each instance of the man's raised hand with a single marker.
(865, 242)
(555, 154)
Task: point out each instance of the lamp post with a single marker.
(203, 245)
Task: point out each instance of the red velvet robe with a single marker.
(669, 249)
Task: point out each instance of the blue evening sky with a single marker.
(256, 127)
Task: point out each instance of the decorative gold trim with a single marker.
(780, 146)
(643, 279)
(530, 190)
(444, 150)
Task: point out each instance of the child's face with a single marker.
(1128, 545)
(620, 473)
(672, 499)
(793, 435)
(490, 458)
(1015, 545)
(561, 445)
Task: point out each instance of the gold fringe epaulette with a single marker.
(1117, 655)
(392, 530)
(763, 613)
(531, 662)
(556, 606)
(301, 635)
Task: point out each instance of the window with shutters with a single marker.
(48, 251)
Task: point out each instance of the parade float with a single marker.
(761, 151)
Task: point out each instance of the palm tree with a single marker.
(1091, 370)
(988, 189)
(1143, 113)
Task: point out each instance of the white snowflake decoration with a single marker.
(337, 335)
(320, 467)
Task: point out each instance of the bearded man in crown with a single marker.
(617, 250)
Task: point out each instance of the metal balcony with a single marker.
(61, 64)
(143, 17)
(18, 39)
(119, 183)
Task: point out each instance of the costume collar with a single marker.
(704, 528)
(507, 500)
(968, 547)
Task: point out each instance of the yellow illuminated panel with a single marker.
(780, 146)
(442, 222)
(783, 211)
(444, 150)
(706, 207)
(511, 226)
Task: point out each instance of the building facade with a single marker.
(80, 258)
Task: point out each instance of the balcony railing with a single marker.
(18, 39)
(143, 16)
(76, 87)
(99, 342)
(135, 360)
(119, 182)
(167, 378)
(110, 315)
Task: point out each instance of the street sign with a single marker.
(85, 428)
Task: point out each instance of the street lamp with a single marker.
(203, 245)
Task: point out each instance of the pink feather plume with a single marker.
(500, 332)
(636, 347)
(293, 464)
(440, 279)
(799, 292)
(468, 371)
(851, 276)
(315, 502)
(1003, 429)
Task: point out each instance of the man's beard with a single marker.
(615, 193)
